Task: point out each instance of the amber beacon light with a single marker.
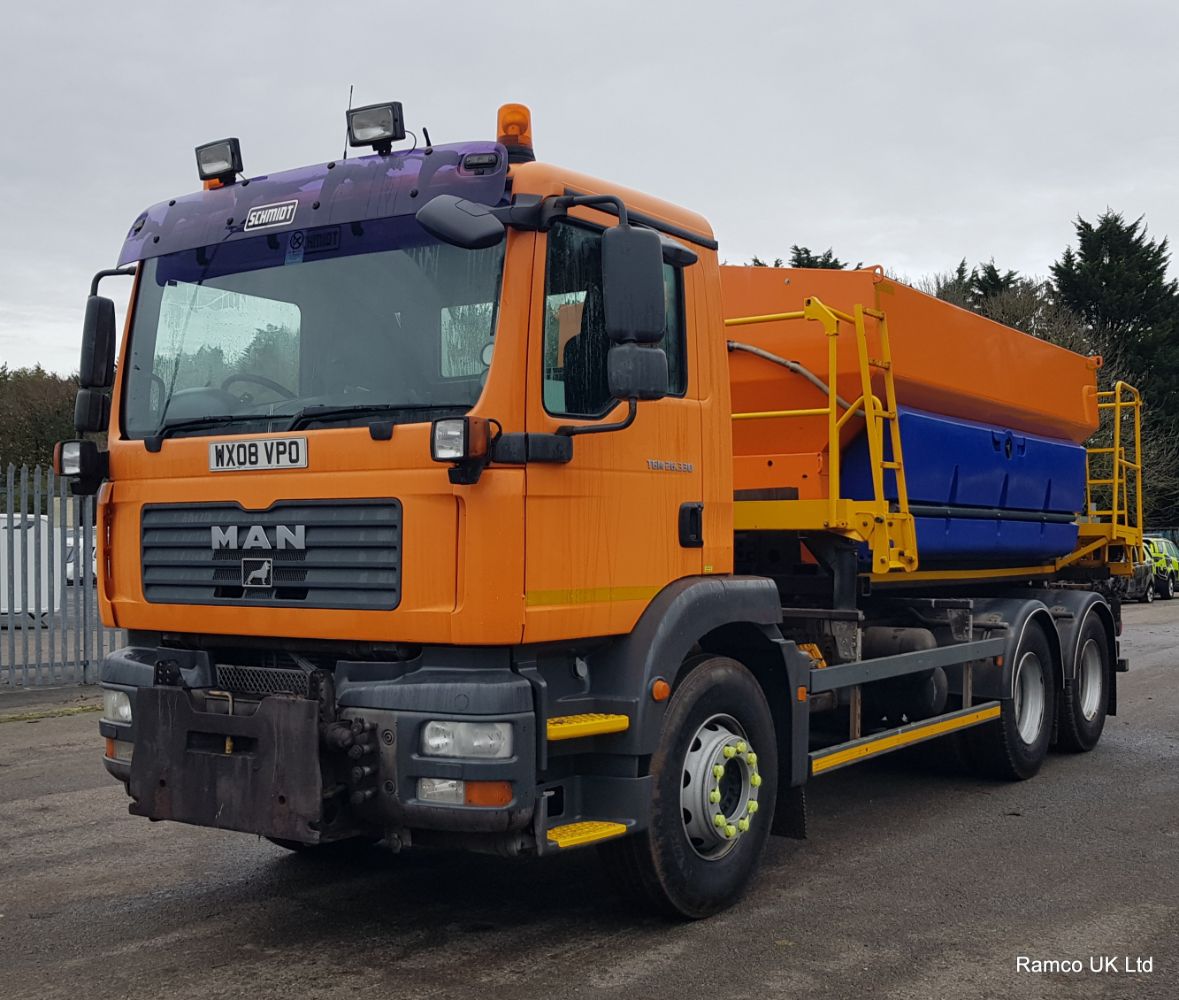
(514, 130)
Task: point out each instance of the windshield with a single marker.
(376, 317)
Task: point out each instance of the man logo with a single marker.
(257, 573)
(281, 213)
(253, 536)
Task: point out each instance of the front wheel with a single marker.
(1148, 594)
(715, 774)
(1168, 588)
(1015, 745)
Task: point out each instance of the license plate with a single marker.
(272, 453)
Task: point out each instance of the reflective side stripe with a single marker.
(589, 595)
(894, 739)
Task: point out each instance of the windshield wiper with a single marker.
(391, 411)
(165, 430)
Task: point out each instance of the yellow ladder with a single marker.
(901, 552)
(887, 528)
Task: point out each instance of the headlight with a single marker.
(116, 706)
(467, 739)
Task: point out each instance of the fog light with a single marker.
(449, 791)
(116, 706)
(467, 739)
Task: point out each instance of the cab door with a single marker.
(607, 531)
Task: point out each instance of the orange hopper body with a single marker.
(945, 360)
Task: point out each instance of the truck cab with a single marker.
(280, 513)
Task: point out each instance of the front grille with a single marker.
(321, 554)
(262, 680)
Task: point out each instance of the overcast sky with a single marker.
(906, 133)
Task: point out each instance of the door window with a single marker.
(575, 340)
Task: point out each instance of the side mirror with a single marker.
(82, 462)
(97, 367)
(92, 411)
(635, 372)
(460, 223)
(632, 284)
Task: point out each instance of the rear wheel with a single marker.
(1014, 747)
(715, 772)
(1083, 704)
(1167, 591)
(1148, 594)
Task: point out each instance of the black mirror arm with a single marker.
(569, 430)
(531, 212)
(559, 207)
(108, 273)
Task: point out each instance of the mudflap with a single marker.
(257, 774)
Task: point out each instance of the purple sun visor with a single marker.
(368, 187)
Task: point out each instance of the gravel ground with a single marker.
(917, 882)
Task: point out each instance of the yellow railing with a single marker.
(1113, 472)
(888, 528)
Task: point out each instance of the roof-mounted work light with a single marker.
(376, 125)
(219, 161)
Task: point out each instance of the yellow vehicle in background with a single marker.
(1164, 553)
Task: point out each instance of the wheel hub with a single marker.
(1090, 679)
(719, 787)
(1029, 697)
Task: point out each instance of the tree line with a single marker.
(36, 411)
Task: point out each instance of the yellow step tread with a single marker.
(585, 832)
(568, 727)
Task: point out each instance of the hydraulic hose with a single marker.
(794, 366)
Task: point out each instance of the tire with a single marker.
(686, 864)
(1148, 594)
(1083, 703)
(1014, 746)
(1168, 590)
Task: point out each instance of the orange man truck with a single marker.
(453, 498)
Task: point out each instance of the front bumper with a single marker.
(317, 767)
